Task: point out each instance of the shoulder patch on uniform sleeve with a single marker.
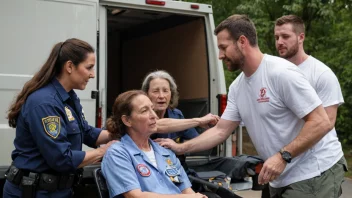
(52, 126)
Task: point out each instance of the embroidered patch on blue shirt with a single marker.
(143, 170)
(52, 126)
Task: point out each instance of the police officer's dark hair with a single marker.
(239, 25)
(296, 21)
(74, 50)
(122, 106)
(163, 75)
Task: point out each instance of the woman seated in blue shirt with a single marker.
(136, 166)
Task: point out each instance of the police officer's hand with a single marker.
(104, 147)
(272, 168)
(170, 144)
(208, 120)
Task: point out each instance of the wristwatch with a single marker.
(286, 155)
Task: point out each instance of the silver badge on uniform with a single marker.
(84, 117)
(69, 114)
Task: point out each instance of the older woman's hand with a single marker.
(209, 120)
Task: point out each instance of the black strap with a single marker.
(29, 184)
(42, 181)
(15, 175)
(66, 181)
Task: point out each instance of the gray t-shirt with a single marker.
(324, 81)
(272, 102)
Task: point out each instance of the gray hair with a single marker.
(163, 75)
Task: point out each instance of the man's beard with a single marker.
(290, 52)
(236, 64)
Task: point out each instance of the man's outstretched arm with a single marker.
(170, 125)
(207, 140)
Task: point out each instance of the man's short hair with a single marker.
(238, 25)
(296, 21)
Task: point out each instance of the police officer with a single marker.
(51, 126)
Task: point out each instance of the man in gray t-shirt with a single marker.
(289, 38)
(283, 114)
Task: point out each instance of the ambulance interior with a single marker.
(142, 41)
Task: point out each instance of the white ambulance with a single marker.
(131, 38)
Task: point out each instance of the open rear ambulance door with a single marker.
(29, 30)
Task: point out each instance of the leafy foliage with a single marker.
(328, 38)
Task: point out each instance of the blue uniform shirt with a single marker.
(183, 135)
(50, 132)
(125, 168)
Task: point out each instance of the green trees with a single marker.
(328, 38)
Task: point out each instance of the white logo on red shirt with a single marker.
(262, 95)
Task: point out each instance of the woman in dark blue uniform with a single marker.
(51, 127)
